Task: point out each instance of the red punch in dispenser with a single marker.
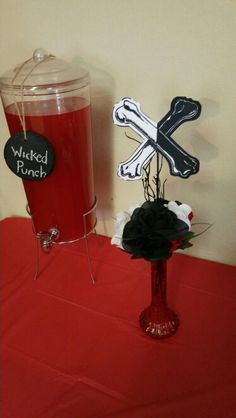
(47, 107)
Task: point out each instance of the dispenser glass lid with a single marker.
(43, 70)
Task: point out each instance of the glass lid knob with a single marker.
(40, 54)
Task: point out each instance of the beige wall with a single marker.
(151, 50)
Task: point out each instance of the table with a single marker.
(71, 349)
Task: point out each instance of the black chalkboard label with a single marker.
(32, 158)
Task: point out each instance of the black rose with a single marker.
(151, 230)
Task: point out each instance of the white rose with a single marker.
(121, 220)
(183, 212)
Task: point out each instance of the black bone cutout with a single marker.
(180, 162)
(181, 110)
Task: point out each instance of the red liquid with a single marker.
(60, 200)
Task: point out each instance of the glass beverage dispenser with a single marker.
(49, 97)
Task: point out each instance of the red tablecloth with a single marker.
(71, 349)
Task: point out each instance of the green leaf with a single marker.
(185, 245)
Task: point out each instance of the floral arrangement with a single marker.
(154, 230)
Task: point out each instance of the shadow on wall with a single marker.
(102, 101)
(204, 147)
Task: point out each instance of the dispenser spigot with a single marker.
(47, 240)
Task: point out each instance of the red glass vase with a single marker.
(157, 320)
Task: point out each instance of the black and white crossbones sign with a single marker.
(157, 137)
